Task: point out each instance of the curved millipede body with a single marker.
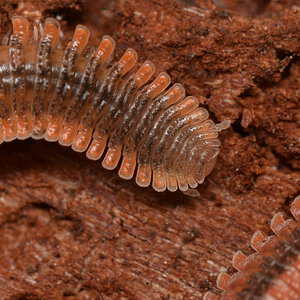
(273, 271)
(89, 102)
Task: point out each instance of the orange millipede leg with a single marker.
(128, 165)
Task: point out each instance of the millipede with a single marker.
(80, 97)
(273, 271)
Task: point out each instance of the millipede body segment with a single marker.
(85, 100)
(273, 271)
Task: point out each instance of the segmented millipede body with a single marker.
(85, 100)
(273, 271)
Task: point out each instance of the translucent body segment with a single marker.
(144, 74)
(10, 126)
(18, 42)
(173, 95)
(21, 28)
(185, 138)
(128, 165)
(148, 113)
(74, 49)
(112, 158)
(111, 110)
(160, 83)
(136, 117)
(127, 61)
(2, 133)
(97, 147)
(182, 182)
(191, 181)
(100, 57)
(105, 49)
(99, 104)
(143, 176)
(162, 118)
(159, 182)
(68, 134)
(46, 46)
(82, 140)
(52, 31)
(80, 39)
(9, 121)
(171, 182)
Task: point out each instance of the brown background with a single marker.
(71, 230)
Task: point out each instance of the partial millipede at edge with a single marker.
(273, 271)
(85, 100)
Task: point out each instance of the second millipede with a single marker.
(93, 104)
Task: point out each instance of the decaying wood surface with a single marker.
(71, 230)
